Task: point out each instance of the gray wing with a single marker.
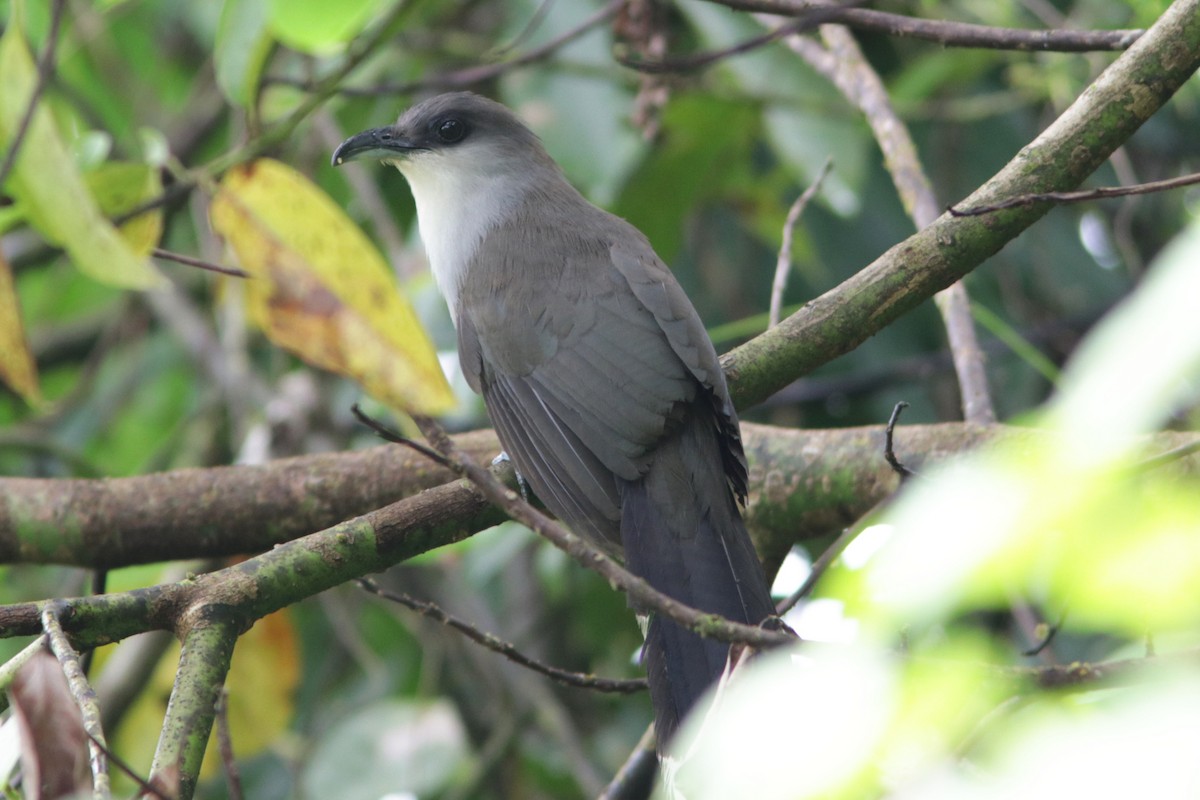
(656, 288)
(584, 363)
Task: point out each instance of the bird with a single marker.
(595, 368)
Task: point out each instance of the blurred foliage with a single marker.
(1075, 521)
(159, 93)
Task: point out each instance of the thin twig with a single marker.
(1169, 457)
(356, 52)
(888, 454)
(146, 786)
(1088, 674)
(192, 261)
(783, 264)
(819, 567)
(1083, 195)
(99, 586)
(44, 67)
(843, 63)
(1051, 632)
(699, 61)
(640, 592)
(506, 649)
(389, 435)
(462, 78)
(812, 18)
(233, 778)
(532, 24)
(9, 669)
(946, 33)
(85, 697)
(635, 778)
(169, 194)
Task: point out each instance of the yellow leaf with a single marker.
(319, 288)
(49, 186)
(120, 187)
(17, 367)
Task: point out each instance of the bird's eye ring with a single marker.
(450, 130)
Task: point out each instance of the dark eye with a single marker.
(450, 130)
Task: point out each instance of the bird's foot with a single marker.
(521, 482)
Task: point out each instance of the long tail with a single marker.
(682, 533)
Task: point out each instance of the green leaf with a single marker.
(806, 139)
(704, 139)
(1069, 516)
(50, 187)
(243, 44)
(319, 26)
(1136, 366)
(806, 119)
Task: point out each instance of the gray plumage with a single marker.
(599, 377)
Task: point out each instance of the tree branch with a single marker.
(506, 649)
(1124, 96)
(946, 33)
(1082, 196)
(85, 698)
(203, 664)
(844, 65)
(470, 76)
(268, 582)
(803, 484)
(213, 512)
(587, 555)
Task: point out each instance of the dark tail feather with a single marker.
(682, 533)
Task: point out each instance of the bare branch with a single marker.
(462, 78)
(147, 788)
(699, 61)
(633, 780)
(233, 779)
(819, 568)
(639, 591)
(946, 33)
(1082, 196)
(506, 649)
(1124, 96)
(192, 261)
(844, 64)
(85, 698)
(1089, 675)
(889, 454)
(783, 264)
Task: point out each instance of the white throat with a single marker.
(456, 207)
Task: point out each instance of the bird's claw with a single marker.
(522, 484)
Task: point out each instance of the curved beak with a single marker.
(383, 143)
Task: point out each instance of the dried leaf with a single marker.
(54, 752)
(319, 288)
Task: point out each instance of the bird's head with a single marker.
(451, 133)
